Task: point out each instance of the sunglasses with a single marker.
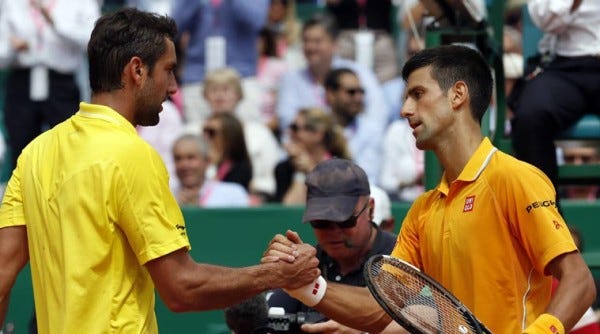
(348, 223)
(295, 127)
(354, 91)
(210, 132)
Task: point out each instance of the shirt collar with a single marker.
(475, 166)
(97, 111)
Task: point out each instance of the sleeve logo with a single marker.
(541, 204)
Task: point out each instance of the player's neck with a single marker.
(456, 151)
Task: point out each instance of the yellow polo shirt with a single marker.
(96, 203)
(488, 236)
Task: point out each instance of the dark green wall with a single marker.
(238, 237)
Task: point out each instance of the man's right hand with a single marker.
(295, 263)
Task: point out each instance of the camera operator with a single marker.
(340, 210)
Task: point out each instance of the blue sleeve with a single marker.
(185, 13)
(287, 104)
(252, 14)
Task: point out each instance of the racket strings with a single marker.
(418, 302)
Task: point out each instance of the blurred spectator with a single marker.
(221, 33)
(304, 88)
(579, 152)
(223, 92)
(365, 21)
(282, 20)
(191, 156)
(248, 316)
(162, 7)
(513, 62)
(566, 88)
(403, 163)
(412, 20)
(269, 72)
(314, 137)
(394, 89)
(512, 40)
(344, 94)
(163, 135)
(382, 211)
(227, 149)
(42, 44)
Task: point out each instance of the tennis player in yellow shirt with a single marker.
(490, 232)
(89, 205)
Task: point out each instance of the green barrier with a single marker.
(238, 237)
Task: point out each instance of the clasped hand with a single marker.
(296, 261)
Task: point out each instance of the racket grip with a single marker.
(310, 294)
(545, 324)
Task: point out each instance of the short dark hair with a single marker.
(326, 21)
(452, 63)
(332, 79)
(121, 35)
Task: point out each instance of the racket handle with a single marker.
(310, 294)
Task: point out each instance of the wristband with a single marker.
(299, 177)
(545, 324)
(310, 294)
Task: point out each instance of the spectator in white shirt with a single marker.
(42, 44)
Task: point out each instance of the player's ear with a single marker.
(459, 94)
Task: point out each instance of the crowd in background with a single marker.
(264, 95)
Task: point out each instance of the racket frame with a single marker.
(407, 324)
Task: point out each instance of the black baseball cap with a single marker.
(333, 189)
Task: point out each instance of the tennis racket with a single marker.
(416, 301)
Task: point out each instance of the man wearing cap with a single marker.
(340, 209)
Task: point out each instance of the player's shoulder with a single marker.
(505, 168)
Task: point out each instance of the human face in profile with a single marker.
(427, 109)
(158, 84)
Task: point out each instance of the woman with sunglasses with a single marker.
(313, 137)
(228, 152)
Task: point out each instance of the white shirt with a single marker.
(60, 47)
(215, 194)
(402, 162)
(577, 33)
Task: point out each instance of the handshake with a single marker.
(295, 268)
